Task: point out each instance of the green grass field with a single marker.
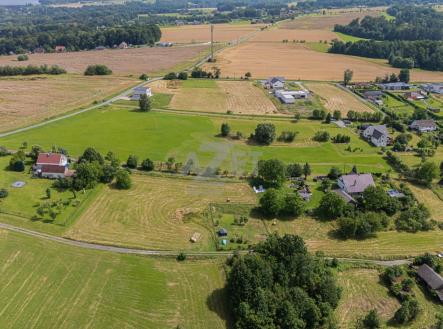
(20, 207)
(161, 135)
(49, 285)
(399, 107)
(347, 37)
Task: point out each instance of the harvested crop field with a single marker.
(26, 100)
(156, 212)
(202, 33)
(240, 97)
(297, 61)
(334, 98)
(280, 34)
(120, 61)
(327, 22)
(245, 98)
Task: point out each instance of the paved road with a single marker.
(147, 252)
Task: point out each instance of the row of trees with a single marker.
(30, 70)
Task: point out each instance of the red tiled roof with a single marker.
(49, 158)
(53, 169)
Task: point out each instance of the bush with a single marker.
(183, 76)
(170, 76)
(279, 203)
(225, 129)
(294, 170)
(30, 70)
(414, 219)
(408, 311)
(132, 161)
(272, 172)
(98, 69)
(3, 193)
(17, 162)
(372, 320)
(363, 226)
(181, 257)
(144, 77)
(321, 136)
(22, 58)
(123, 180)
(147, 165)
(264, 133)
(287, 136)
(343, 139)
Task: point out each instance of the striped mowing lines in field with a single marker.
(155, 213)
(47, 285)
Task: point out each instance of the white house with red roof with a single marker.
(51, 165)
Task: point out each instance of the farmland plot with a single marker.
(336, 99)
(155, 213)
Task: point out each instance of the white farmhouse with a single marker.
(138, 91)
(51, 165)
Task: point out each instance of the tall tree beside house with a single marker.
(144, 103)
(347, 76)
(306, 170)
(404, 75)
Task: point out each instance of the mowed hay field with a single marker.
(26, 100)
(319, 235)
(297, 61)
(361, 293)
(49, 285)
(432, 201)
(238, 97)
(202, 33)
(336, 99)
(120, 61)
(155, 213)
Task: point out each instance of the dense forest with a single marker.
(281, 285)
(412, 39)
(410, 23)
(320, 4)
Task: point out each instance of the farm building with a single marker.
(432, 279)
(423, 125)
(137, 92)
(413, 95)
(394, 86)
(355, 183)
(436, 88)
(60, 49)
(377, 135)
(289, 96)
(51, 165)
(39, 50)
(123, 45)
(222, 232)
(274, 83)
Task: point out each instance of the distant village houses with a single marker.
(436, 88)
(394, 86)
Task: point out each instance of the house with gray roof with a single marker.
(436, 88)
(355, 183)
(423, 126)
(275, 83)
(394, 86)
(138, 91)
(377, 135)
(433, 280)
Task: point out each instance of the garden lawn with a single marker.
(20, 206)
(162, 135)
(49, 285)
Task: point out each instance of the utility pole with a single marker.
(212, 43)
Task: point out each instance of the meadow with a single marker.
(67, 92)
(48, 285)
(157, 213)
(155, 135)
